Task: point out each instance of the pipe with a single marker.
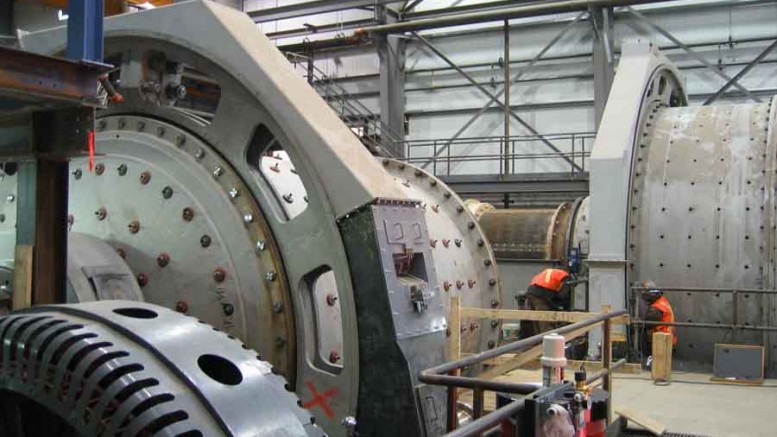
(489, 420)
(709, 290)
(602, 373)
(706, 325)
(435, 375)
(524, 11)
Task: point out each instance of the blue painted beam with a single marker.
(85, 30)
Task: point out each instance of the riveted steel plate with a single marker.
(463, 259)
(702, 215)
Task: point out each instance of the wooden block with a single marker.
(662, 356)
(22, 277)
(454, 322)
(654, 426)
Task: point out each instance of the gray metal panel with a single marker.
(740, 362)
(403, 228)
(463, 259)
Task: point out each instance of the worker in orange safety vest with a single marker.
(548, 291)
(659, 310)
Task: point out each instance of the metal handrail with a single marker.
(423, 151)
(378, 134)
(734, 325)
(445, 374)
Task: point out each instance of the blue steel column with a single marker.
(85, 30)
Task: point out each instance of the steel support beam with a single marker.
(602, 21)
(6, 20)
(391, 53)
(522, 11)
(85, 30)
(506, 62)
(546, 183)
(324, 28)
(496, 100)
(515, 78)
(311, 8)
(410, 5)
(743, 72)
(663, 32)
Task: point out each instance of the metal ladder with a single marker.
(366, 125)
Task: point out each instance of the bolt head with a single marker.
(182, 307)
(145, 177)
(167, 192)
(219, 275)
(218, 171)
(228, 309)
(99, 169)
(122, 169)
(163, 260)
(269, 276)
(205, 241)
(142, 279)
(187, 214)
(331, 299)
(234, 192)
(260, 245)
(334, 357)
(101, 214)
(277, 307)
(134, 227)
(248, 218)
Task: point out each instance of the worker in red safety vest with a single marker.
(658, 310)
(548, 291)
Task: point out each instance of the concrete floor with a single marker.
(691, 404)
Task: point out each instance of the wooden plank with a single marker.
(524, 357)
(454, 323)
(654, 426)
(662, 356)
(22, 278)
(541, 316)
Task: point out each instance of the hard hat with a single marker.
(650, 290)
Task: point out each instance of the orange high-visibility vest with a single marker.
(551, 279)
(667, 315)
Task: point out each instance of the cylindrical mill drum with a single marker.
(529, 234)
(702, 214)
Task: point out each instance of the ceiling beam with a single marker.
(311, 8)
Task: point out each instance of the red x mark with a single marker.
(320, 399)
